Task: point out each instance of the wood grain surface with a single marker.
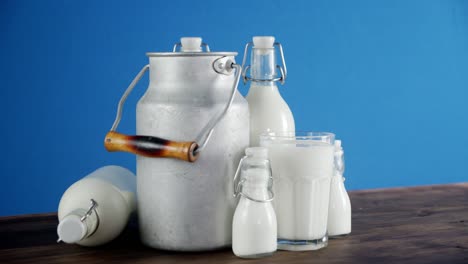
(403, 225)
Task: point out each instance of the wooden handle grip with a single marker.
(149, 146)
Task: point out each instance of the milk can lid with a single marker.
(190, 46)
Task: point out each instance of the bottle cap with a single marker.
(263, 42)
(191, 44)
(71, 230)
(258, 152)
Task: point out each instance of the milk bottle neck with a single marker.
(258, 192)
(263, 66)
(77, 225)
(256, 183)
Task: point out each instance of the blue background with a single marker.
(388, 77)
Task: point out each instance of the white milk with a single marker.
(339, 211)
(302, 186)
(113, 189)
(268, 111)
(254, 227)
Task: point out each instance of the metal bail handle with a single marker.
(156, 147)
(282, 68)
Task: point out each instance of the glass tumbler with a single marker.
(302, 165)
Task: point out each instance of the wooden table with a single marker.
(402, 225)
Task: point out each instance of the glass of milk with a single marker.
(302, 165)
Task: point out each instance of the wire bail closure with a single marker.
(91, 209)
(240, 182)
(282, 68)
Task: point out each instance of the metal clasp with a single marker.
(238, 184)
(93, 206)
(236, 176)
(282, 68)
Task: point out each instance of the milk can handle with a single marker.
(156, 147)
(223, 65)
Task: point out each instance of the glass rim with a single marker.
(297, 135)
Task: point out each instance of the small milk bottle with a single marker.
(95, 209)
(268, 110)
(254, 224)
(339, 211)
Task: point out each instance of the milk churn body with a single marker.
(181, 205)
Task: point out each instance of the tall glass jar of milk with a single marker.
(303, 165)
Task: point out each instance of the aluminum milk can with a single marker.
(192, 129)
